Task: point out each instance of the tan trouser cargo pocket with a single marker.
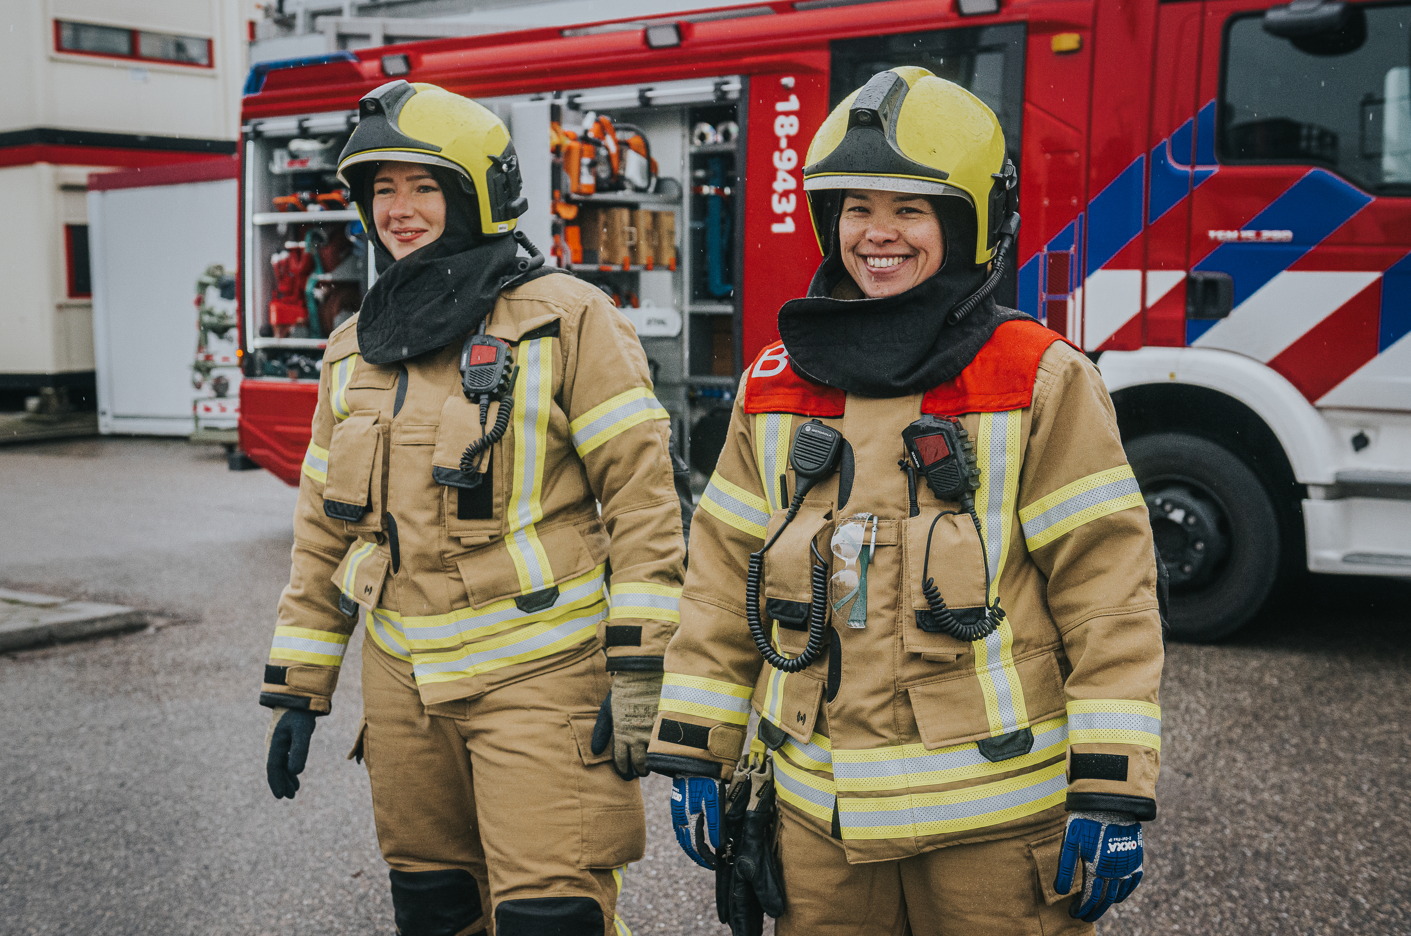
(361, 574)
(612, 821)
(354, 492)
(957, 571)
(1044, 855)
(788, 575)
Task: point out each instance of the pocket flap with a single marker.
(1044, 856)
(788, 566)
(459, 428)
(491, 574)
(789, 700)
(957, 563)
(952, 711)
(354, 462)
(361, 574)
(582, 726)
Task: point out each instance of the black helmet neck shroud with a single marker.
(439, 293)
(896, 345)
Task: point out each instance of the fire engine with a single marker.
(1214, 201)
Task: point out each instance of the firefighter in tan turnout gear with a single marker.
(470, 421)
(924, 563)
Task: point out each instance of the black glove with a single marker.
(287, 749)
(749, 883)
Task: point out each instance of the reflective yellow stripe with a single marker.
(907, 766)
(609, 420)
(619, 927)
(341, 377)
(804, 791)
(997, 450)
(646, 600)
(1081, 502)
(771, 441)
(305, 645)
(434, 633)
(735, 506)
(386, 631)
(533, 398)
(350, 572)
(817, 754)
(918, 814)
(1114, 721)
(706, 698)
(316, 463)
(530, 642)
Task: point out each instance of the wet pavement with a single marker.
(135, 802)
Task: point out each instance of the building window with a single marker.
(140, 44)
(76, 250)
(1341, 99)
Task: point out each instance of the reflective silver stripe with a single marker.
(999, 482)
(783, 775)
(809, 750)
(699, 696)
(1120, 490)
(962, 757)
(1113, 721)
(730, 507)
(921, 813)
(770, 467)
(327, 648)
(388, 632)
(531, 410)
(774, 696)
(585, 437)
(641, 599)
(342, 376)
(526, 646)
(881, 183)
(468, 622)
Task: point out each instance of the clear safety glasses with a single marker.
(851, 580)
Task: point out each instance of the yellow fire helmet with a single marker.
(421, 123)
(908, 131)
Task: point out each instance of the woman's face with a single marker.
(891, 241)
(408, 208)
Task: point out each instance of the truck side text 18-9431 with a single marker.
(1214, 197)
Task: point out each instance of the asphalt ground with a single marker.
(134, 799)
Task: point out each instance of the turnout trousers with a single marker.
(996, 888)
(492, 812)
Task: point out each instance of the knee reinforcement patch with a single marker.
(434, 903)
(562, 916)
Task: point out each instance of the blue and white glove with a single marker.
(1110, 846)
(697, 797)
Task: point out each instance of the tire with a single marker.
(1216, 530)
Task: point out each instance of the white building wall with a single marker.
(27, 254)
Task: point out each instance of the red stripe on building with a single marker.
(62, 155)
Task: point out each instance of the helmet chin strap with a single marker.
(1006, 242)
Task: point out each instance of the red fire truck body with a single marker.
(1215, 207)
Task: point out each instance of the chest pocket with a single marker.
(474, 503)
(357, 476)
(945, 548)
(788, 568)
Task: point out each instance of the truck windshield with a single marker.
(1338, 100)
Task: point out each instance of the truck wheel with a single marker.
(1215, 528)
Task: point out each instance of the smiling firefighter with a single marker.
(924, 563)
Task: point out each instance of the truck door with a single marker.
(1298, 243)
(1177, 168)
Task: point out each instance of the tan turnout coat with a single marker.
(898, 740)
(476, 589)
